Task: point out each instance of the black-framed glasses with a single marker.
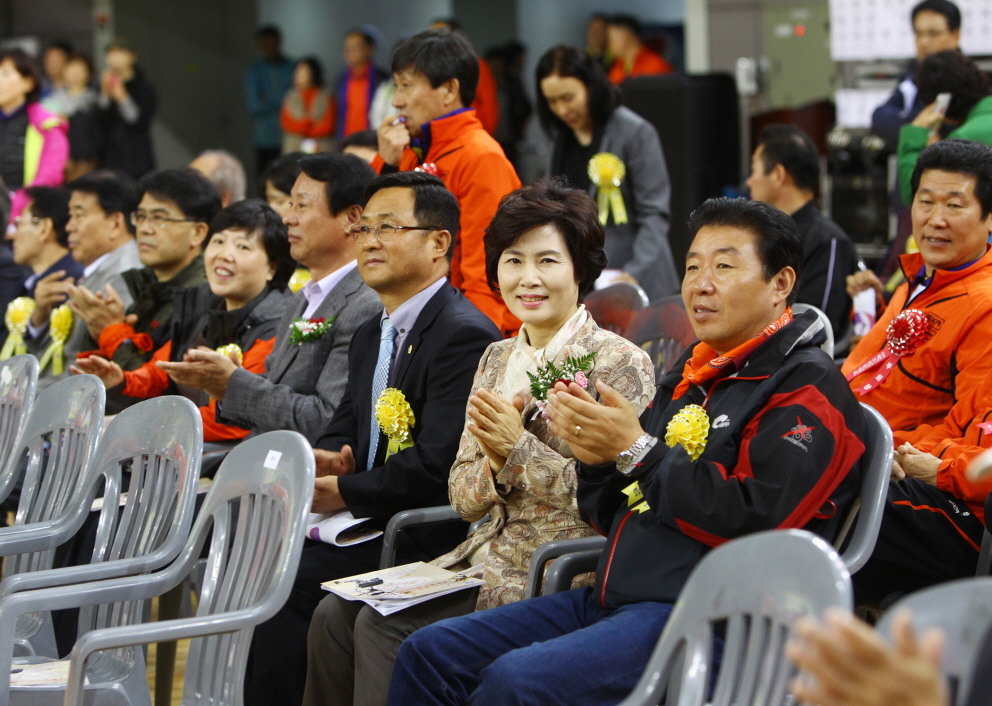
(156, 220)
(384, 232)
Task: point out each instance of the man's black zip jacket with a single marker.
(784, 451)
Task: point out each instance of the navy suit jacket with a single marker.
(435, 373)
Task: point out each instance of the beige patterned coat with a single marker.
(532, 500)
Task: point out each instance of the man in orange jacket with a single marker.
(922, 366)
(436, 73)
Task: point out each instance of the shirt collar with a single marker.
(92, 267)
(407, 313)
(319, 289)
(422, 144)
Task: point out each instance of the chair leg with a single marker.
(169, 605)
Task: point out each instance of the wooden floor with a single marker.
(181, 652)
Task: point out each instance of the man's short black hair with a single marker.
(115, 192)
(959, 157)
(441, 55)
(629, 22)
(51, 203)
(192, 193)
(778, 240)
(943, 7)
(256, 217)
(433, 204)
(364, 34)
(268, 31)
(282, 173)
(950, 71)
(793, 149)
(345, 177)
(362, 138)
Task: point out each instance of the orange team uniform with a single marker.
(486, 102)
(646, 63)
(151, 381)
(965, 433)
(473, 167)
(950, 363)
(313, 118)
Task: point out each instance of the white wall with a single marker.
(317, 27)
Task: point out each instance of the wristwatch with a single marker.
(625, 459)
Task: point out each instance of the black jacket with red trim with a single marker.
(784, 451)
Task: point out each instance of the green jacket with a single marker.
(913, 140)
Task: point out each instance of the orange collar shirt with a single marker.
(953, 359)
(646, 63)
(473, 167)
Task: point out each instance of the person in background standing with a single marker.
(486, 103)
(358, 83)
(266, 82)
(53, 63)
(307, 116)
(592, 134)
(75, 100)
(127, 105)
(596, 45)
(626, 43)
(34, 145)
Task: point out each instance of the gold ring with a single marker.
(577, 430)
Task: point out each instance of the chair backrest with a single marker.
(18, 380)
(157, 445)
(613, 307)
(664, 331)
(756, 587)
(58, 440)
(866, 515)
(963, 610)
(828, 345)
(255, 515)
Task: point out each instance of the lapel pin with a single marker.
(410, 349)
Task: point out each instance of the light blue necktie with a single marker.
(379, 381)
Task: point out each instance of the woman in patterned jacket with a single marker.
(544, 251)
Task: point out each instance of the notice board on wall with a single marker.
(863, 30)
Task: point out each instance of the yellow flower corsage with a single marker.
(395, 418)
(607, 171)
(232, 348)
(61, 326)
(690, 428)
(18, 314)
(299, 278)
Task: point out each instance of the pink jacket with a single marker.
(46, 150)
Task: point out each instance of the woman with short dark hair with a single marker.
(308, 111)
(615, 155)
(544, 251)
(248, 266)
(34, 143)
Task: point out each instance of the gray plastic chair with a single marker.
(828, 345)
(157, 443)
(18, 380)
(572, 557)
(963, 610)
(418, 516)
(254, 517)
(759, 585)
(54, 448)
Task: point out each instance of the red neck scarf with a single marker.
(706, 365)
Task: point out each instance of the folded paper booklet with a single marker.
(41, 674)
(391, 590)
(339, 528)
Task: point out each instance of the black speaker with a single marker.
(698, 121)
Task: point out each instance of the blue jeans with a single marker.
(558, 649)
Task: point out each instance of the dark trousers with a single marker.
(560, 649)
(927, 537)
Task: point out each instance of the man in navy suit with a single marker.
(426, 342)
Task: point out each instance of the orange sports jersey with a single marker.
(646, 63)
(473, 167)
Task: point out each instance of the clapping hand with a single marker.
(98, 309)
(596, 432)
(107, 370)
(497, 425)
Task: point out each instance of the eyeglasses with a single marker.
(384, 232)
(21, 220)
(156, 220)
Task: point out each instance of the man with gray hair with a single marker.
(225, 171)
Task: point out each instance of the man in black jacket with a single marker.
(426, 342)
(753, 429)
(785, 173)
(126, 105)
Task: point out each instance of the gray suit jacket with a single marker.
(302, 384)
(640, 246)
(124, 258)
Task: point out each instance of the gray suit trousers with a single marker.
(351, 648)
